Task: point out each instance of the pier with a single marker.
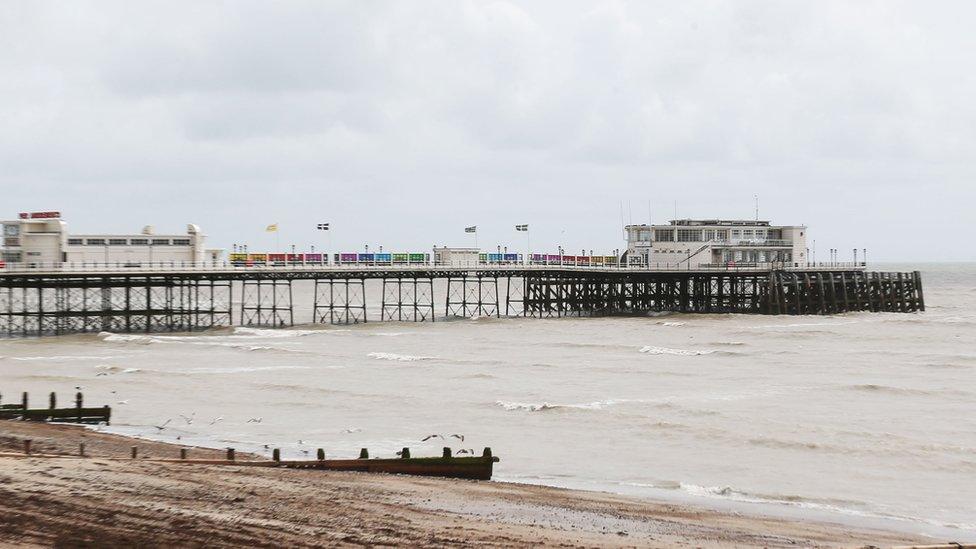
(179, 298)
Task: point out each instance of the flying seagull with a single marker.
(163, 426)
(428, 437)
(255, 420)
(459, 437)
(188, 420)
(216, 419)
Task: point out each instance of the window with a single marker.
(736, 233)
(139, 241)
(722, 234)
(95, 242)
(160, 242)
(666, 235)
(117, 242)
(747, 234)
(689, 235)
(181, 241)
(75, 241)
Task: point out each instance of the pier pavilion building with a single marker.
(42, 238)
(699, 243)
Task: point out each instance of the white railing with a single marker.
(225, 266)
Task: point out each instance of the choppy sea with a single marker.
(860, 417)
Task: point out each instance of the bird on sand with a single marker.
(428, 437)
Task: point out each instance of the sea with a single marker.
(862, 418)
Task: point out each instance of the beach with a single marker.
(124, 502)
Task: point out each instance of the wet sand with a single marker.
(112, 503)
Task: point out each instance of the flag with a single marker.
(472, 229)
(522, 228)
(272, 228)
(323, 226)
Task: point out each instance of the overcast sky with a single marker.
(402, 122)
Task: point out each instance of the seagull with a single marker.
(188, 420)
(101, 374)
(300, 442)
(305, 452)
(126, 401)
(255, 420)
(459, 437)
(163, 426)
(216, 419)
(428, 437)
(463, 451)
(352, 430)
(179, 437)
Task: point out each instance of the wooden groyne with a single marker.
(447, 465)
(76, 414)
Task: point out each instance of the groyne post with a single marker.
(53, 401)
(27, 446)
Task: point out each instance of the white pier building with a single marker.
(716, 242)
(42, 238)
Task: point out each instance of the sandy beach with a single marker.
(110, 503)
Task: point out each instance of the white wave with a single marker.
(854, 508)
(387, 334)
(537, 407)
(672, 324)
(667, 351)
(126, 338)
(61, 358)
(131, 370)
(275, 333)
(396, 357)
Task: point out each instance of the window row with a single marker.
(128, 242)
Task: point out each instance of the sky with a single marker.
(401, 123)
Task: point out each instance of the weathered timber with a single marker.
(77, 414)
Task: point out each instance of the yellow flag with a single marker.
(272, 228)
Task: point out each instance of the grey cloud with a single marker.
(405, 121)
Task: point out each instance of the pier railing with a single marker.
(226, 266)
